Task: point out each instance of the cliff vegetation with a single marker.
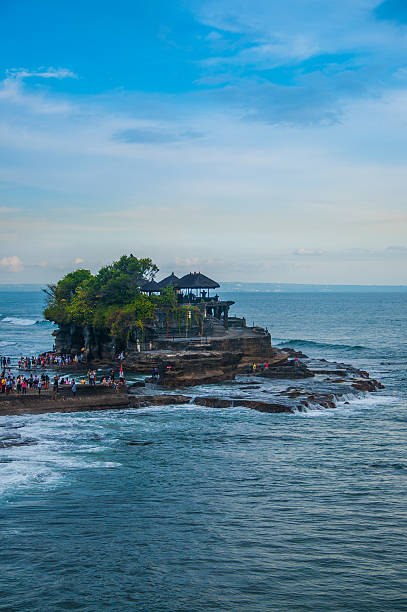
(110, 300)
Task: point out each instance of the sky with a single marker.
(251, 140)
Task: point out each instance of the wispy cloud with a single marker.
(43, 73)
(308, 252)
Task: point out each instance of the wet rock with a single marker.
(213, 402)
(271, 408)
(367, 385)
(143, 401)
(290, 369)
(196, 368)
(330, 372)
(293, 353)
(326, 400)
(138, 383)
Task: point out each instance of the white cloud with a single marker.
(12, 263)
(43, 73)
(78, 261)
(185, 262)
(12, 91)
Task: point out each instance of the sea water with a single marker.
(190, 508)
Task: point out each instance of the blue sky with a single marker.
(253, 140)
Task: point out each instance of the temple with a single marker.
(194, 339)
(195, 289)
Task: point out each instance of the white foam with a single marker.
(7, 343)
(20, 321)
(350, 405)
(63, 445)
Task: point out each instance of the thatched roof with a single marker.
(150, 286)
(169, 281)
(196, 280)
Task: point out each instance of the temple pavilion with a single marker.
(195, 289)
(168, 281)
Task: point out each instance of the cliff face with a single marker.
(72, 339)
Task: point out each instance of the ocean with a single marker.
(189, 508)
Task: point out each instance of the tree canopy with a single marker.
(110, 299)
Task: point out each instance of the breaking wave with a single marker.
(313, 344)
(24, 322)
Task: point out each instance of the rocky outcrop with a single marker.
(287, 369)
(143, 401)
(367, 385)
(188, 369)
(293, 353)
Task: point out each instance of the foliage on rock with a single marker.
(112, 300)
(105, 300)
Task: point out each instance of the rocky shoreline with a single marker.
(317, 383)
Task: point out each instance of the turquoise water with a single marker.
(190, 508)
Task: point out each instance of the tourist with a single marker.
(39, 385)
(55, 388)
(73, 387)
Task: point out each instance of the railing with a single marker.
(196, 299)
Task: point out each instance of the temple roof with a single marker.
(168, 281)
(150, 286)
(196, 280)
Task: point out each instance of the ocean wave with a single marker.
(24, 322)
(311, 343)
(7, 343)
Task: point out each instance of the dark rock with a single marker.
(271, 408)
(330, 372)
(367, 385)
(138, 383)
(188, 369)
(213, 402)
(290, 369)
(326, 400)
(143, 401)
(293, 353)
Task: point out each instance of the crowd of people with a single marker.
(47, 360)
(24, 383)
(20, 384)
